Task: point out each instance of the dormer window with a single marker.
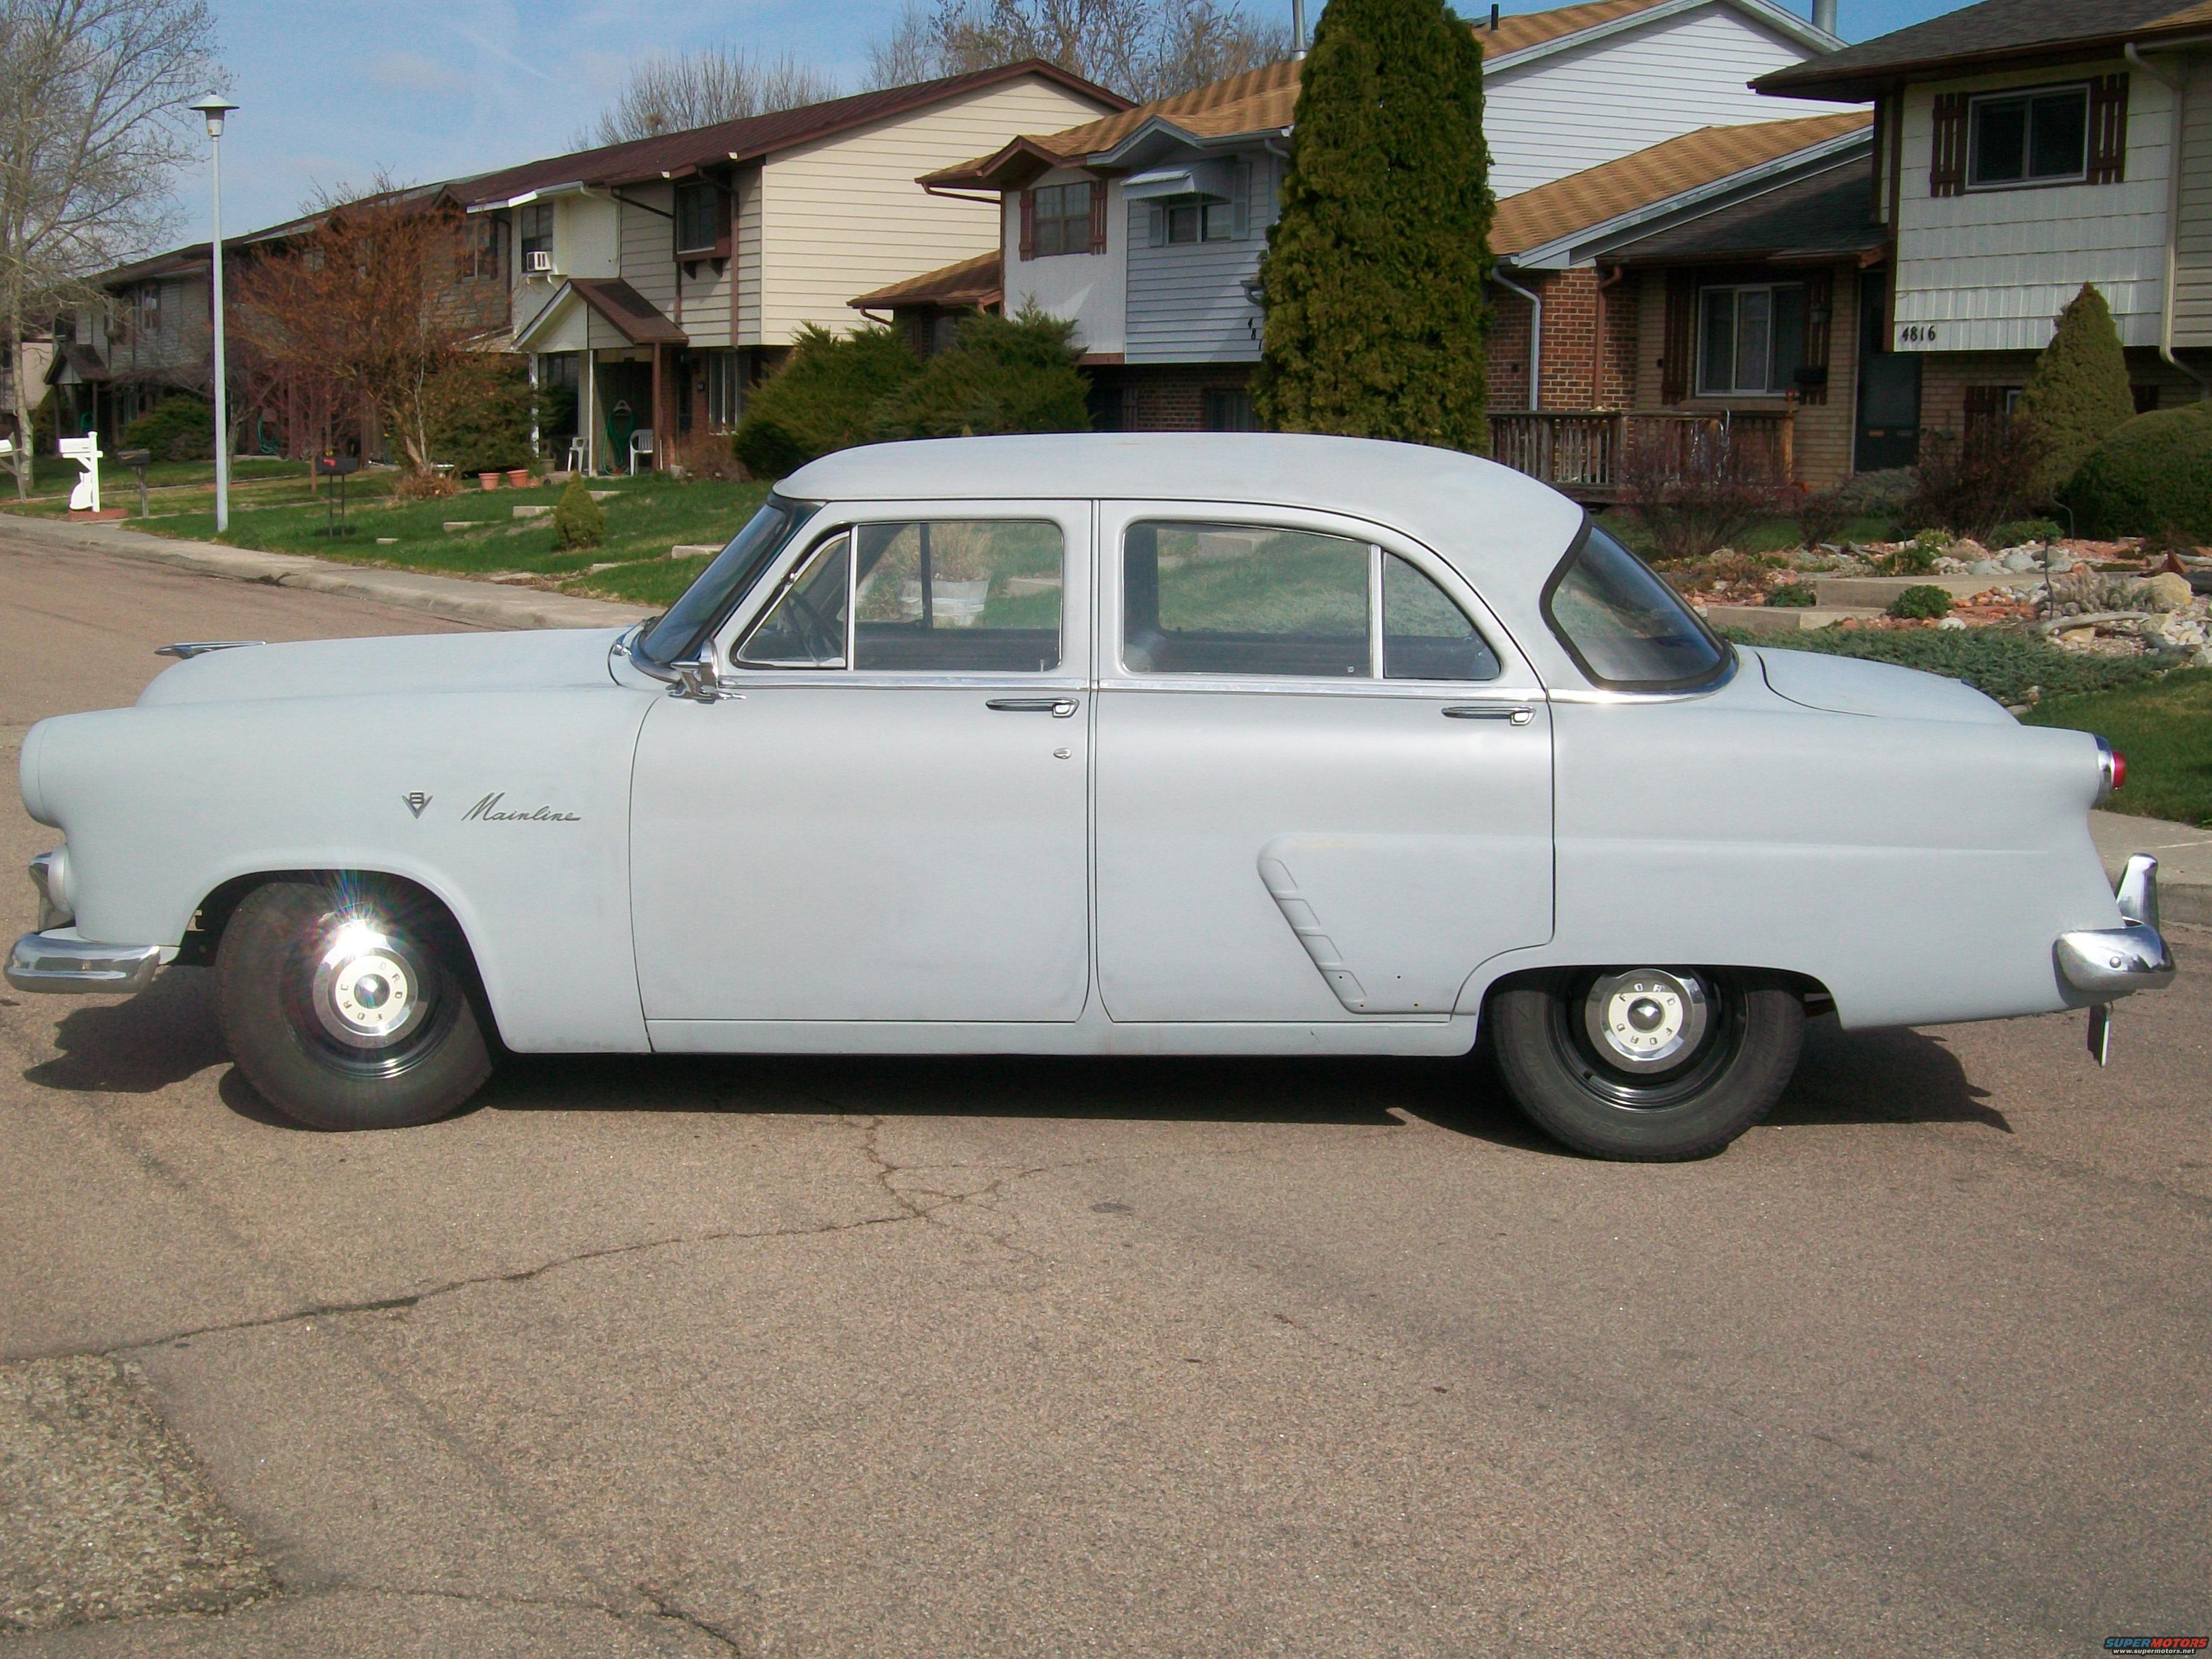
(2029, 138)
(703, 221)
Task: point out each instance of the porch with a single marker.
(1582, 452)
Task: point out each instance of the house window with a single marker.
(1751, 338)
(484, 247)
(2028, 138)
(700, 222)
(1199, 221)
(1227, 409)
(1062, 219)
(725, 394)
(538, 237)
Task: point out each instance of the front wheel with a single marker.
(1647, 1063)
(348, 1004)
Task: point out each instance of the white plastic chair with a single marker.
(641, 443)
(580, 452)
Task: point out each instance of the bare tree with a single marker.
(673, 94)
(1146, 49)
(93, 130)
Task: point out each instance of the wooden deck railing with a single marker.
(1582, 451)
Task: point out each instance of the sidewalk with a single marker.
(453, 598)
(2184, 855)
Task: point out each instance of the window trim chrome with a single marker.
(1689, 685)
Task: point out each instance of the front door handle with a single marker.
(1519, 714)
(1058, 707)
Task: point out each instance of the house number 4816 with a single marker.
(1917, 334)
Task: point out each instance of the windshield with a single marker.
(1625, 628)
(723, 583)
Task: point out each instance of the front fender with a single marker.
(512, 807)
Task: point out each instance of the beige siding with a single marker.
(2192, 277)
(649, 259)
(746, 271)
(844, 216)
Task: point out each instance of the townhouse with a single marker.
(2021, 148)
(1146, 227)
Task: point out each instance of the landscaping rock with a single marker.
(455, 526)
(1985, 567)
(693, 551)
(604, 494)
(1951, 622)
(2062, 564)
(387, 541)
(2169, 591)
(1966, 550)
(543, 511)
(2020, 561)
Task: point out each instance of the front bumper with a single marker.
(59, 961)
(2105, 963)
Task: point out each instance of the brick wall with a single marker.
(1945, 376)
(1577, 375)
(1169, 398)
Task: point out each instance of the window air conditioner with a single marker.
(538, 259)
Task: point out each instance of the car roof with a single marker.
(1488, 519)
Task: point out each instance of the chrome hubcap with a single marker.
(369, 992)
(1648, 1019)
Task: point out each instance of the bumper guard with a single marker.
(57, 961)
(2104, 962)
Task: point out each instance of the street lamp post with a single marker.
(214, 109)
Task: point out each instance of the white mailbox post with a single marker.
(85, 452)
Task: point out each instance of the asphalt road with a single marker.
(997, 1358)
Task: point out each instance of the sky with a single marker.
(428, 89)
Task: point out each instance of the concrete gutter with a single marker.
(454, 599)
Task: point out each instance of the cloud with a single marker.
(404, 71)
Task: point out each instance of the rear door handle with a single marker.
(1058, 707)
(1518, 713)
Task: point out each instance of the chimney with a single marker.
(1823, 15)
(1493, 17)
(1298, 26)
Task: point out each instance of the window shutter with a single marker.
(1097, 216)
(2108, 128)
(1156, 226)
(1947, 157)
(1820, 318)
(1240, 200)
(1675, 364)
(1028, 224)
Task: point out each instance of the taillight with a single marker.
(2119, 769)
(2111, 769)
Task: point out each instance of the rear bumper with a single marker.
(2105, 963)
(58, 960)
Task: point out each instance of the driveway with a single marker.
(983, 1358)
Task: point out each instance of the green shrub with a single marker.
(178, 428)
(2005, 663)
(477, 411)
(2153, 474)
(1793, 595)
(577, 521)
(2014, 532)
(1922, 604)
(1917, 556)
(823, 398)
(1969, 485)
(2077, 393)
(999, 374)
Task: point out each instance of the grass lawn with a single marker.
(2164, 726)
(645, 516)
(171, 486)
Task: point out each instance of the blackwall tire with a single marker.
(351, 1005)
(1573, 1083)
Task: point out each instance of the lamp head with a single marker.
(214, 108)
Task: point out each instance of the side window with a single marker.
(958, 596)
(805, 627)
(1425, 635)
(1222, 598)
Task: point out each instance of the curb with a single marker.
(453, 599)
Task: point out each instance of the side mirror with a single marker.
(700, 682)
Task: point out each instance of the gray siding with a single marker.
(2192, 251)
(1186, 301)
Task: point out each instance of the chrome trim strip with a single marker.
(185, 650)
(2105, 769)
(2136, 893)
(42, 962)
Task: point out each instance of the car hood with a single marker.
(1846, 685)
(530, 660)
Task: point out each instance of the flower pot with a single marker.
(518, 478)
(489, 480)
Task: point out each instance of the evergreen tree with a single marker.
(1378, 318)
(1000, 374)
(2077, 392)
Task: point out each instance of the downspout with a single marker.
(2178, 86)
(1535, 333)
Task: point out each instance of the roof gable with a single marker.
(1993, 31)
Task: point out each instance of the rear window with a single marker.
(1625, 628)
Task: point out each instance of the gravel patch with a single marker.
(104, 1513)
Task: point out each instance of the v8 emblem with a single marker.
(416, 802)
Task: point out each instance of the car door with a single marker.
(1324, 773)
(884, 816)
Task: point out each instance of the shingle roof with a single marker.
(1829, 214)
(1587, 198)
(756, 136)
(635, 318)
(1263, 100)
(977, 282)
(1993, 30)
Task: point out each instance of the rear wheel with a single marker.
(348, 1004)
(1647, 1063)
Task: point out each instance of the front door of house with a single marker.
(1889, 392)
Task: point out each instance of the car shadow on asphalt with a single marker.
(168, 1034)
